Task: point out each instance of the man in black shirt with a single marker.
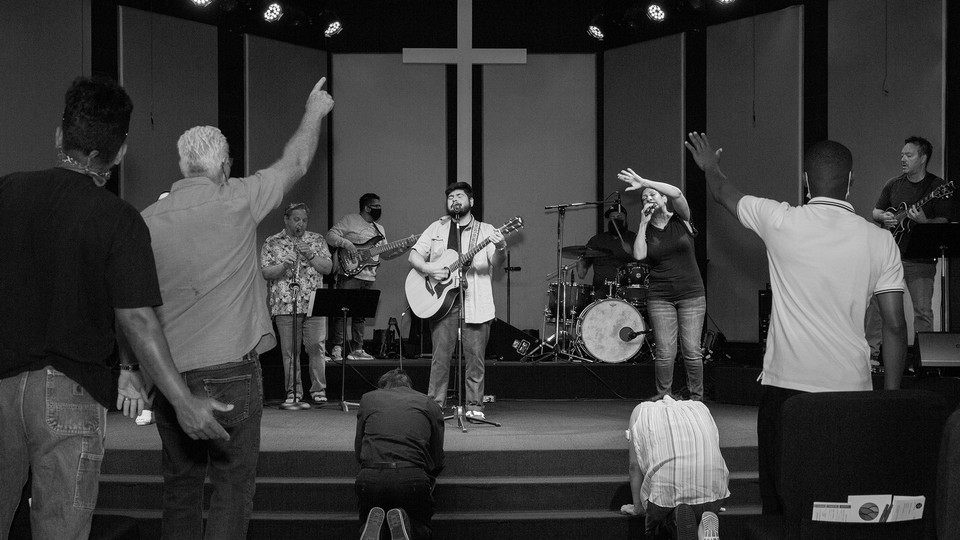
(399, 445)
(618, 241)
(76, 264)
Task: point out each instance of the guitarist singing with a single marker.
(478, 306)
(351, 232)
(898, 210)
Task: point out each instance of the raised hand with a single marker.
(319, 100)
(635, 180)
(702, 152)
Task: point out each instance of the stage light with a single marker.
(595, 28)
(273, 12)
(331, 24)
(656, 13)
(201, 3)
(725, 2)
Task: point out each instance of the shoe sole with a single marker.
(371, 530)
(397, 522)
(711, 526)
(686, 521)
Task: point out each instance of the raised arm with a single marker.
(299, 151)
(637, 182)
(722, 190)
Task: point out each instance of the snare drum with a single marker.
(577, 296)
(636, 295)
(604, 326)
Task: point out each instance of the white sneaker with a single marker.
(337, 353)
(359, 355)
(145, 418)
(475, 414)
(710, 526)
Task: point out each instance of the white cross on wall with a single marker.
(465, 56)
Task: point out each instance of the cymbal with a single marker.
(577, 252)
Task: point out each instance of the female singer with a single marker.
(676, 299)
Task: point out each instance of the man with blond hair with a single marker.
(215, 316)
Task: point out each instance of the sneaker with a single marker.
(337, 354)
(371, 530)
(289, 399)
(145, 418)
(710, 526)
(475, 414)
(686, 522)
(399, 524)
(359, 354)
(318, 397)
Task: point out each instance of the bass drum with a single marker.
(601, 324)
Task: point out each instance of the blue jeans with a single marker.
(444, 334)
(356, 323)
(666, 319)
(312, 332)
(49, 424)
(919, 278)
(410, 489)
(232, 464)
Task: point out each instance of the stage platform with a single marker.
(555, 469)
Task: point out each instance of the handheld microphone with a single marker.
(649, 209)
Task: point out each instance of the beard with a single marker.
(464, 210)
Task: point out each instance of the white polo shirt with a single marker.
(825, 264)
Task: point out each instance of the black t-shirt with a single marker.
(900, 190)
(400, 424)
(674, 274)
(70, 253)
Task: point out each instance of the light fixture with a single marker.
(725, 2)
(331, 24)
(656, 13)
(201, 3)
(595, 28)
(273, 12)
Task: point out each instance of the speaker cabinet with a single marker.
(508, 342)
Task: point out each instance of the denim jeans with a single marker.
(356, 323)
(312, 332)
(667, 320)
(410, 489)
(232, 464)
(919, 278)
(444, 334)
(49, 424)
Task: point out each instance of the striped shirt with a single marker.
(678, 450)
(825, 264)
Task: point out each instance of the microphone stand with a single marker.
(509, 270)
(297, 405)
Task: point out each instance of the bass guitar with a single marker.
(904, 224)
(349, 265)
(432, 299)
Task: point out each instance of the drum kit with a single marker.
(605, 325)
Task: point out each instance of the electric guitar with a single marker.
(432, 299)
(349, 265)
(904, 224)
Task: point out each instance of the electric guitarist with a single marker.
(460, 229)
(907, 199)
(345, 236)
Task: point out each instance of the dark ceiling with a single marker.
(540, 26)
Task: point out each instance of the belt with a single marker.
(388, 465)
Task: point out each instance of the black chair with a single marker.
(837, 444)
(948, 486)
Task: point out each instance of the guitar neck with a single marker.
(392, 245)
(468, 256)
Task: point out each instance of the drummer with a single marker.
(617, 240)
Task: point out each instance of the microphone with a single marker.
(649, 209)
(627, 333)
(619, 206)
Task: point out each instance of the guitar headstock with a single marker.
(514, 224)
(944, 191)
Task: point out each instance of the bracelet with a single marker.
(130, 367)
(503, 248)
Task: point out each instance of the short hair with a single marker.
(296, 206)
(96, 116)
(366, 198)
(923, 145)
(395, 378)
(828, 165)
(202, 149)
(467, 188)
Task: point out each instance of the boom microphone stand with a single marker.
(296, 405)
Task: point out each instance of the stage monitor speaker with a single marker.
(508, 342)
(939, 349)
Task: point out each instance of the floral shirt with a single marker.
(280, 297)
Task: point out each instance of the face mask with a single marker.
(375, 213)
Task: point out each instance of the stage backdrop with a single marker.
(169, 68)
(754, 74)
(886, 84)
(390, 138)
(539, 149)
(37, 70)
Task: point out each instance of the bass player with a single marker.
(355, 231)
(478, 306)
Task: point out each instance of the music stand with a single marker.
(344, 303)
(933, 241)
